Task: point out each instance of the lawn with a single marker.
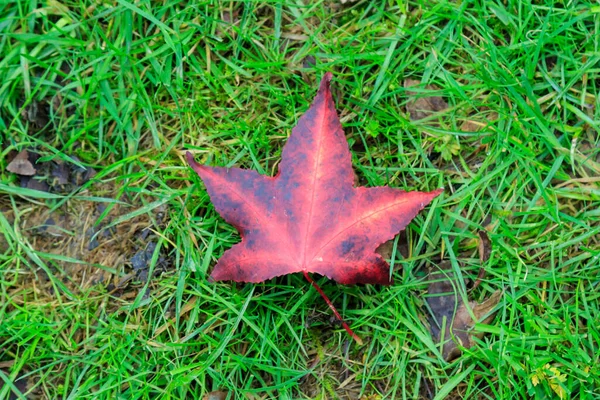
(107, 237)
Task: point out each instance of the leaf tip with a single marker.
(325, 81)
(192, 162)
(190, 158)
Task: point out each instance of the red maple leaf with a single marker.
(309, 217)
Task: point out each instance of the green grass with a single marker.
(130, 86)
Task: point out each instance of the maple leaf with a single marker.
(309, 217)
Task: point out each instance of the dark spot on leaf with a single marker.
(347, 246)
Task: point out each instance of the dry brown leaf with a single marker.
(21, 165)
(444, 304)
(420, 106)
(386, 249)
(485, 246)
(21, 384)
(216, 395)
(472, 126)
(485, 249)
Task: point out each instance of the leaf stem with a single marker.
(335, 312)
